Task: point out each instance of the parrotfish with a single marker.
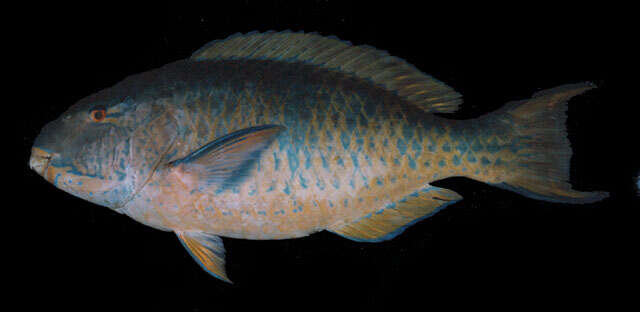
(279, 135)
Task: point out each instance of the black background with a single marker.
(494, 243)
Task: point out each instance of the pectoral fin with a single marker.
(207, 250)
(226, 160)
(391, 220)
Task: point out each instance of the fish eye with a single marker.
(98, 115)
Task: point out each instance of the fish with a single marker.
(279, 135)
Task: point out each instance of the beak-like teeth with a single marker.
(39, 160)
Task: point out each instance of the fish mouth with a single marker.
(40, 160)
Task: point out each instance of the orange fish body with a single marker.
(280, 135)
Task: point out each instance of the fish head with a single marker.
(87, 150)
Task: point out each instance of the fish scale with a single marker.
(291, 181)
(292, 178)
(280, 135)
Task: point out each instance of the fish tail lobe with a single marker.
(540, 169)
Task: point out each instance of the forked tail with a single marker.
(541, 171)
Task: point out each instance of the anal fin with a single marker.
(207, 250)
(391, 220)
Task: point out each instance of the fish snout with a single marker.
(39, 160)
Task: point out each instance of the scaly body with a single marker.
(345, 153)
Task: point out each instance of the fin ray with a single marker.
(542, 170)
(392, 220)
(225, 160)
(207, 250)
(363, 62)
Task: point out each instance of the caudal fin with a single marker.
(540, 123)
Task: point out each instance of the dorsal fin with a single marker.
(364, 62)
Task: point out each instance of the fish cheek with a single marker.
(98, 167)
(95, 189)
